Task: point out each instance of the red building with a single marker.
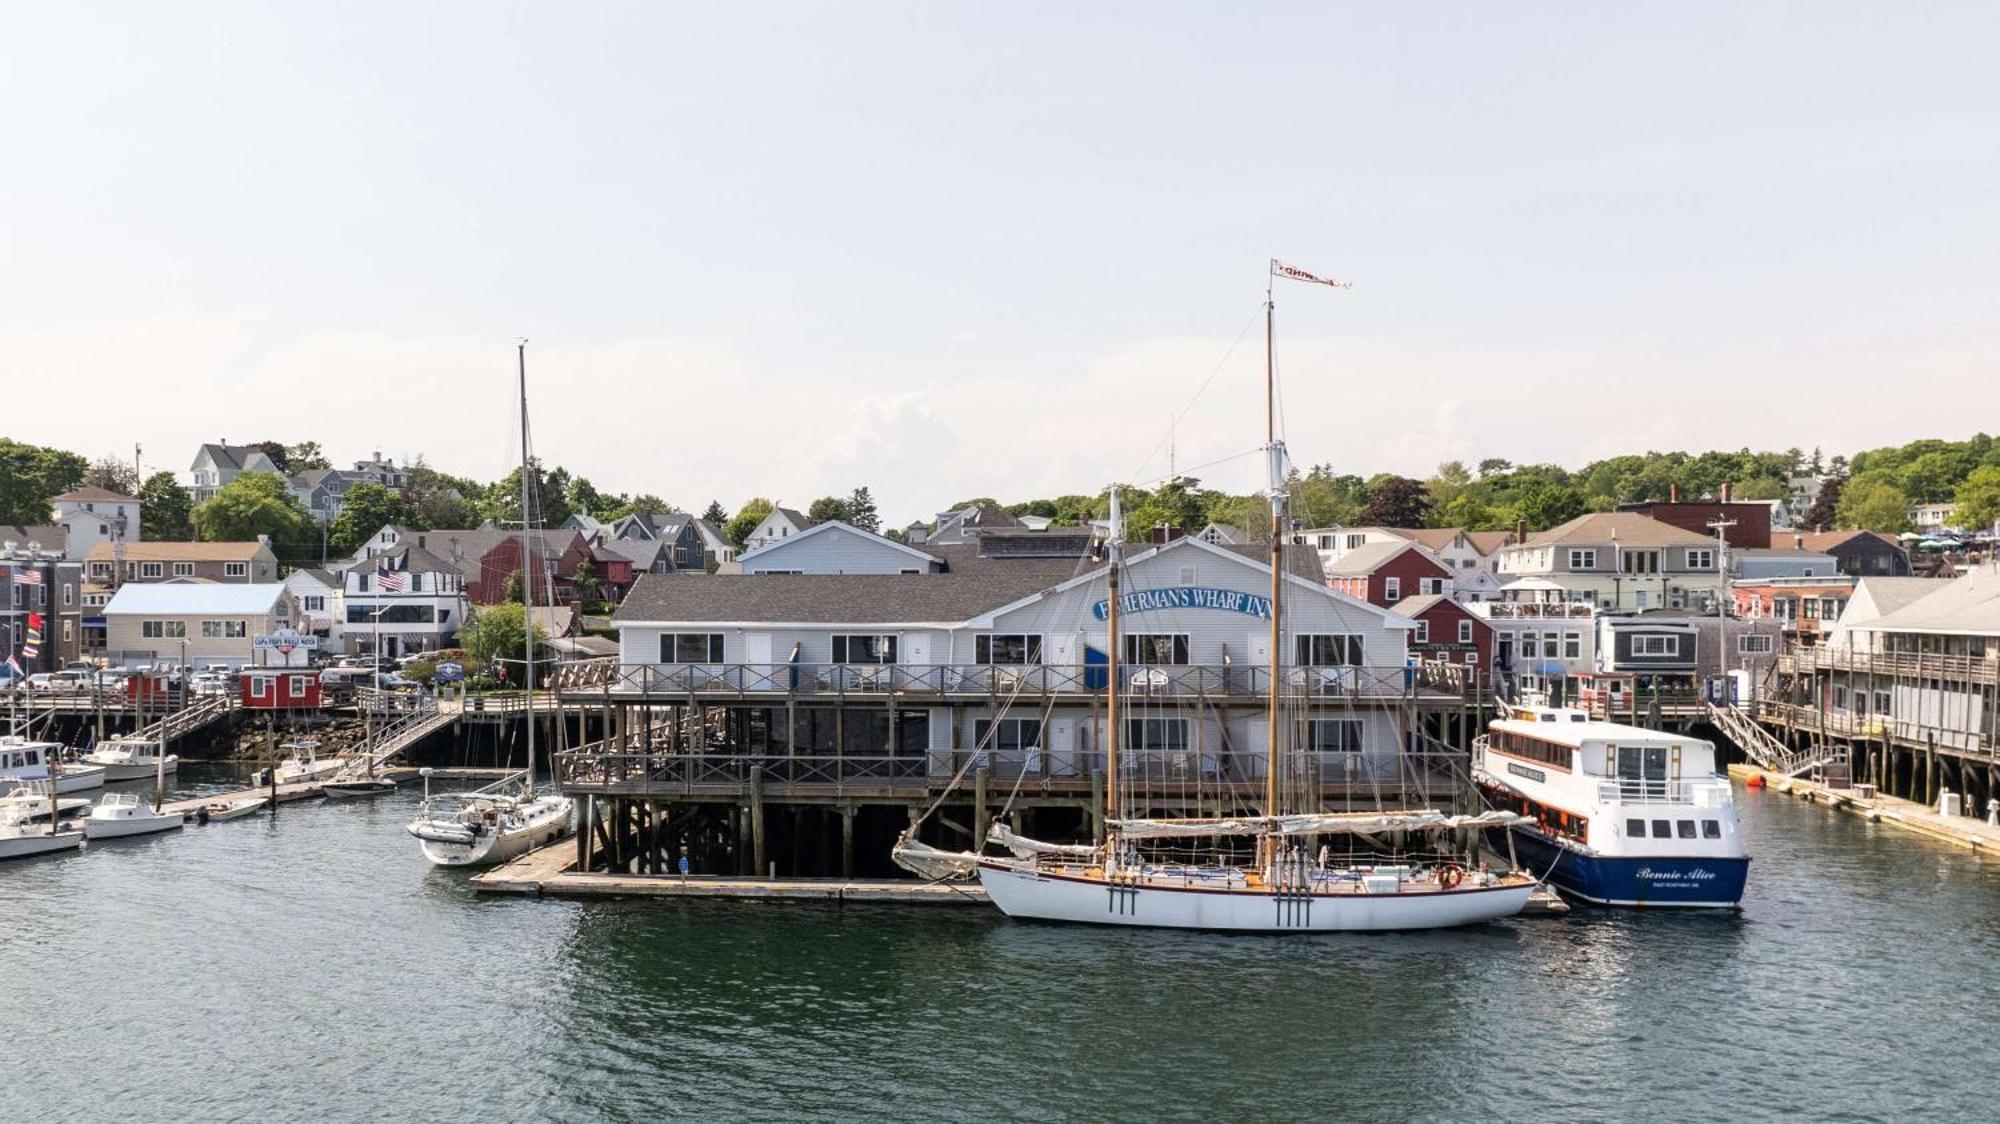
(1446, 632)
(488, 558)
(280, 688)
(1383, 573)
(1753, 520)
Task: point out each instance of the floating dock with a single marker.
(1963, 831)
(552, 870)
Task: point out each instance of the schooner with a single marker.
(1283, 889)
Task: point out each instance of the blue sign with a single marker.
(449, 672)
(1186, 597)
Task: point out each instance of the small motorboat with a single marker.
(304, 765)
(123, 814)
(129, 759)
(352, 788)
(29, 803)
(22, 760)
(20, 839)
(216, 811)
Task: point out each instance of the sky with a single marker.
(956, 249)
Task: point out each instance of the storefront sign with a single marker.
(1186, 597)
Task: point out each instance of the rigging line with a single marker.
(1197, 468)
(1189, 408)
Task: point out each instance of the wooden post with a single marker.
(980, 776)
(757, 821)
(847, 841)
(1097, 806)
(583, 837)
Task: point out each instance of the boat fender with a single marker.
(1450, 875)
(1754, 780)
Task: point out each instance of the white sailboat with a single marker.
(1285, 889)
(509, 818)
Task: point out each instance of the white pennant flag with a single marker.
(1294, 273)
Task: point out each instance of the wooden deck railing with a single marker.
(838, 681)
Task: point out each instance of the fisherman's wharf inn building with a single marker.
(843, 680)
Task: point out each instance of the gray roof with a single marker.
(1970, 605)
(52, 537)
(970, 586)
(1418, 605)
(1300, 561)
(463, 549)
(1890, 594)
(639, 552)
(1627, 528)
(1369, 557)
(229, 456)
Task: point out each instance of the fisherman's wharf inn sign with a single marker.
(1186, 597)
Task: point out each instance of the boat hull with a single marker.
(355, 790)
(1046, 897)
(1640, 882)
(489, 847)
(135, 771)
(129, 828)
(39, 843)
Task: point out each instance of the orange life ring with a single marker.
(1450, 875)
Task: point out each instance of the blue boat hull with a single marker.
(1655, 882)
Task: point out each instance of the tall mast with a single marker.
(1114, 542)
(1276, 455)
(527, 567)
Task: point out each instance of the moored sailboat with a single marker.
(1127, 880)
(508, 818)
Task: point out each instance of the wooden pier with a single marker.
(552, 870)
(1877, 807)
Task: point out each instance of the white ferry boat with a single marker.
(1622, 815)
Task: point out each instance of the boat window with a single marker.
(1663, 829)
(1635, 828)
(1687, 829)
(1711, 829)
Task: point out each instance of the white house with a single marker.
(1933, 516)
(781, 523)
(91, 515)
(318, 593)
(400, 601)
(218, 464)
(1616, 560)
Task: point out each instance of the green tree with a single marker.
(1823, 513)
(1176, 503)
(440, 501)
(279, 456)
(747, 518)
(715, 516)
(826, 509)
(861, 510)
(1872, 501)
(582, 496)
(166, 512)
(31, 477)
(258, 503)
(1494, 466)
(1396, 501)
(585, 579)
(305, 457)
(1550, 506)
(1978, 498)
(363, 511)
(548, 495)
(497, 634)
(645, 503)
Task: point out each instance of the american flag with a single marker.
(389, 580)
(25, 576)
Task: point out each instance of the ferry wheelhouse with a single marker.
(1621, 815)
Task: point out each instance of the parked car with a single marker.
(210, 683)
(57, 681)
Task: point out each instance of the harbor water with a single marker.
(311, 966)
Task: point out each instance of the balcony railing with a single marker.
(1561, 610)
(590, 769)
(836, 681)
(1820, 657)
